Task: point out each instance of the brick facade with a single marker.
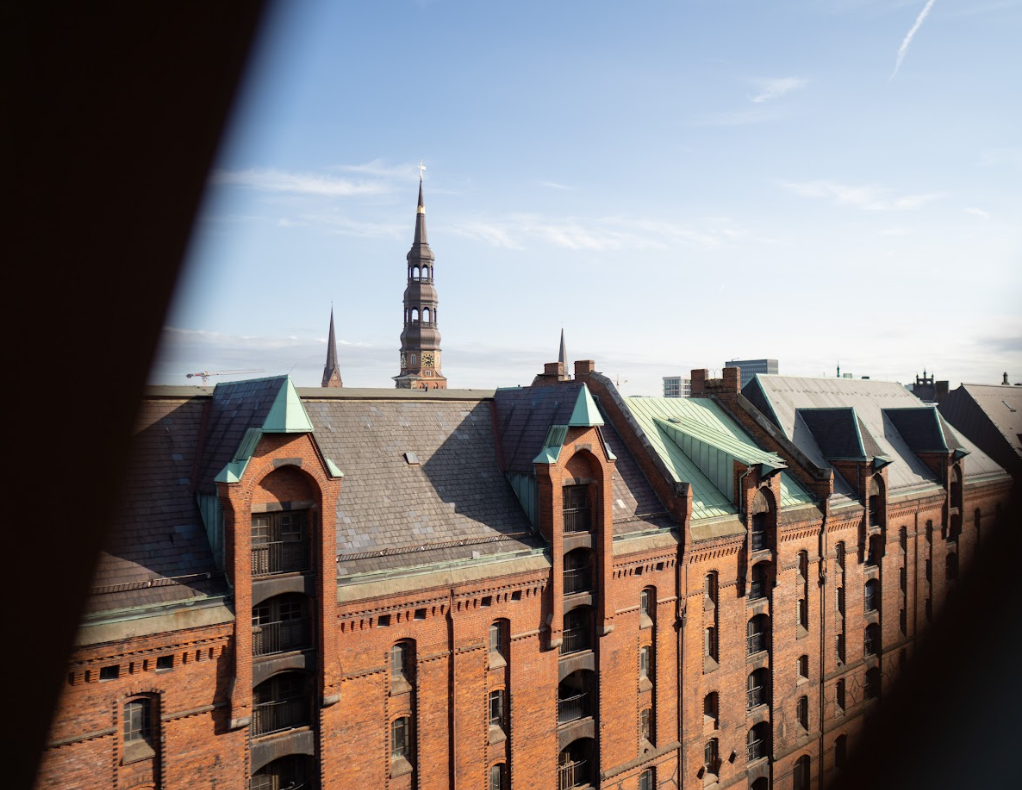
(437, 678)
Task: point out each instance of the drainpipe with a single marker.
(683, 605)
(823, 637)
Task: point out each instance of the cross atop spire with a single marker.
(331, 370)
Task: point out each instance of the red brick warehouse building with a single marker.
(548, 586)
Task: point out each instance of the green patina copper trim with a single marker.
(585, 415)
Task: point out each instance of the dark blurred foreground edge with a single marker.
(111, 119)
(112, 114)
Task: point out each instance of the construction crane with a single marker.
(205, 374)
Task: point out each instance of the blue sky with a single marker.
(676, 184)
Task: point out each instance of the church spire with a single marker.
(562, 356)
(331, 370)
(420, 338)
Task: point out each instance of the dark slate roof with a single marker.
(835, 432)
(919, 428)
(453, 504)
(235, 407)
(635, 505)
(870, 445)
(157, 550)
(991, 416)
(524, 416)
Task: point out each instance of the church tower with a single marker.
(331, 370)
(420, 339)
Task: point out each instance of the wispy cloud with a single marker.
(903, 49)
(776, 88)
(269, 180)
(553, 185)
(380, 169)
(599, 234)
(978, 212)
(868, 198)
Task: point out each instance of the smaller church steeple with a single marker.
(331, 370)
(562, 356)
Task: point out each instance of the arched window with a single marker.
(576, 695)
(575, 764)
(401, 741)
(280, 624)
(498, 777)
(500, 631)
(871, 640)
(802, 667)
(800, 775)
(951, 566)
(872, 598)
(760, 513)
(760, 578)
(840, 751)
(802, 712)
(281, 703)
(875, 502)
(647, 779)
(647, 607)
(425, 315)
(757, 689)
(140, 721)
(758, 742)
(283, 773)
(710, 589)
(646, 663)
(871, 688)
(578, 571)
(876, 549)
(647, 725)
(576, 509)
(757, 634)
(578, 630)
(711, 710)
(402, 667)
(761, 784)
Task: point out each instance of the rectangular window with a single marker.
(710, 643)
(646, 724)
(802, 612)
(644, 662)
(903, 622)
(803, 667)
(498, 642)
(576, 509)
(840, 647)
(711, 755)
(497, 708)
(839, 696)
(137, 720)
(802, 711)
(903, 579)
(839, 599)
(278, 542)
(400, 739)
(646, 780)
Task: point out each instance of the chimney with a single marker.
(941, 389)
(583, 367)
(1005, 381)
(729, 385)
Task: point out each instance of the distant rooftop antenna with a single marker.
(205, 374)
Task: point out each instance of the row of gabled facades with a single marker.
(539, 587)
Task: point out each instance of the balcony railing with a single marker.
(279, 636)
(576, 519)
(576, 580)
(279, 557)
(574, 708)
(573, 774)
(575, 639)
(279, 715)
(756, 642)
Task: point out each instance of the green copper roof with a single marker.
(235, 469)
(287, 415)
(697, 441)
(585, 415)
(551, 451)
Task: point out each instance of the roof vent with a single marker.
(412, 459)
